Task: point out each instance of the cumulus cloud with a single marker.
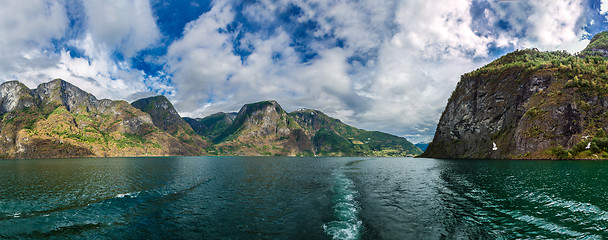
(27, 31)
(546, 25)
(30, 52)
(207, 72)
(30, 25)
(202, 61)
(604, 6)
(126, 26)
(381, 92)
(96, 72)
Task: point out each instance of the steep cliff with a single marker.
(57, 119)
(529, 104)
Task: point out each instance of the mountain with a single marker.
(165, 117)
(57, 119)
(212, 125)
(531, 105)
(264, 128)
(331, 137)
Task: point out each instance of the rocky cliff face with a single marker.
(57, 119)
(530, 104)
(15, 95)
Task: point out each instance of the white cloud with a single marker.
(202, 60)
(347, 20)
(97, 73)
(27, 31)
(127, 26)
(205, 69)
(28, 53)
(419, 66)
(604, 6)
(547, 25)
(30, 25)
(437, 29)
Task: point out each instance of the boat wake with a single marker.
(346, 224)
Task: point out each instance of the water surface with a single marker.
(302, 198)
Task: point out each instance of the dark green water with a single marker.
(302, 198)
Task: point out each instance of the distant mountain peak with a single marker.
(157, 102)
(258, 117)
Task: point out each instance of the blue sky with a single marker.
(379, 65)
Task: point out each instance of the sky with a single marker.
(386, 65)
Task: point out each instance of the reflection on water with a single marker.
(302, 198)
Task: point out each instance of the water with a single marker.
(302, 198)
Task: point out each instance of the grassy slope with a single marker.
(57, 132)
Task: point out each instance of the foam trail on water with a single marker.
(346, 224)
(131, 195)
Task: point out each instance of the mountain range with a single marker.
(264, 128)
(59, 120)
